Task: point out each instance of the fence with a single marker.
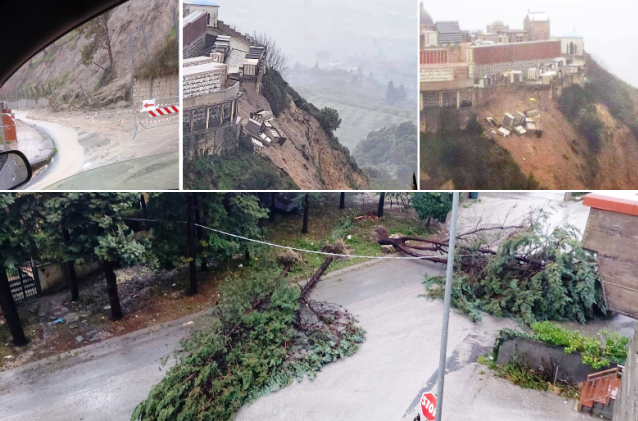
(599, 388)
(24, 282)
(155, 113)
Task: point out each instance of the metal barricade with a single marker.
(162, 112)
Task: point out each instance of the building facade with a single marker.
(537, 26)
(572, 45)
(206, 6)
(489, 60)
(194, 33)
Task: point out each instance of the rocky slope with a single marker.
(309, 156)
(71, 82)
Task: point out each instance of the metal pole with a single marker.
(175, 25)
(148, 57)
(130, 39)
(449, 272)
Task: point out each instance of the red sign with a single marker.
(428, 406)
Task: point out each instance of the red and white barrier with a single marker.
(157, 112)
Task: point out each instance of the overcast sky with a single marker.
(610, 27)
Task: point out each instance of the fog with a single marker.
(609, 27)
(350, 31)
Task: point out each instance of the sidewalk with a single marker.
(35, 144)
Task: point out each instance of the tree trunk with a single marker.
(381, 204)
(111, 287)
(427, 225)
(192, 249)
(144, 211)
(306, 205)
(70, 269)
(342, 201)
(272, 206)
(73, 280)
(315, 278)
(200, 230)
(10, 311)
(108, 42)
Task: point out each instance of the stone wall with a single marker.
(163, 87)
(195, 48)
(54, 276)
(566, 367)
(213, 142)
(626, 408)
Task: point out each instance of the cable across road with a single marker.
(266, 243)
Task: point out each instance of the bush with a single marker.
(275, 91)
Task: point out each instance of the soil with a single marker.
(54, 324)
(560, 159)
(306, 156)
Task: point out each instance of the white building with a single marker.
(208, 6)
(429, 38)
(573, 45)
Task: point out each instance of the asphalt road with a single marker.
(383, 381)
(68, 159)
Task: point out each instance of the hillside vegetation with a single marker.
(468, 159)
(389, 156)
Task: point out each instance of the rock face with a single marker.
(308, 156)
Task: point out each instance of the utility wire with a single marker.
(293, 248)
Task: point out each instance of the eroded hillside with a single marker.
(563, 158)
(311, 157)
(59, 67)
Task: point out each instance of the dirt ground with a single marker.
(107, 135)
(560, 159)
(54, 324)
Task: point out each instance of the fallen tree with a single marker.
(526, 273)
(265, 333)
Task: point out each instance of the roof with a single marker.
(202, 3)
(572, 36)
(202, 68)
(538, 16)
(425, 18)
(192, 17)
(617, 201)
(448, 27)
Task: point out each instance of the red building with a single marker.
(507, 53)
(435, 56)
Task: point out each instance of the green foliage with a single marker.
(237, 170)
(96, 226)
(275, 91)
(235, 213)
(329, 119)
(579, 106)
(20, 219)
(251, 350)
(432, 205)
(164, 62)
(532, 277)
(392, 146)
(596, 353)
(469, 158)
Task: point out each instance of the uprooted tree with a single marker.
(529, 275)
(265, 334)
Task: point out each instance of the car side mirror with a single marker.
(15, 170)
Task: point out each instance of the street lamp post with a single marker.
(449, 272)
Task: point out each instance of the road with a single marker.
(68, 159)
(383, 381)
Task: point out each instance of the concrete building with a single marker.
(449, 33)
(203, 78)
(429, 38)
(572, 45)
(512, 35)
(194, 33)
(206, 6)
(433, 56)
(537, 26)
